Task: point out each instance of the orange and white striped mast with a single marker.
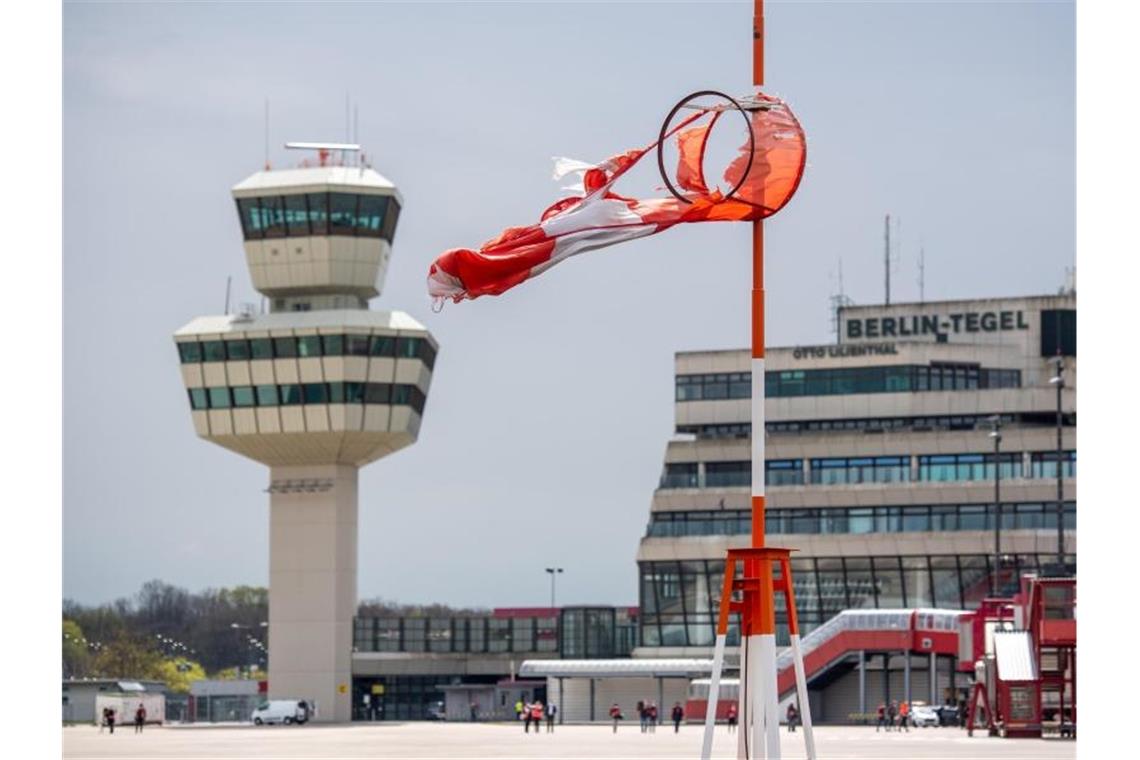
(759, 734)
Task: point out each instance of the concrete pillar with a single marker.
(561, 704)
(933, 679)
(660, 700)
(863, 685)
(886, 678)
(591, 700)
(312, 586)
(906, 675)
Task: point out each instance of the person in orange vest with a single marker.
(904, 715)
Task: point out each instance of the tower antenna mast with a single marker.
(887, 256)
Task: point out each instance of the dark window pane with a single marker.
(333, 345)
(273, 216)
(342, 213)
(369, 220)
(214, 351)
(237, 350)
(190, 352)
(353, 393)
(336, 393)
(267, 395)
(309, 345)
(198, 398)
(260, 348)
(243, 395)
(318, 213)
(290, 394)
(356, 345)
(285, 348)
(250, 215)
(427, 353)
(316, 393)
(296, 215)
(377, 393)
(383, 345)
(391, 216)
(219, 398)
(406, 348)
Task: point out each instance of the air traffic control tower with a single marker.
(316, 388)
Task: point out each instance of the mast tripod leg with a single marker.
(802, 696)
(714, 694)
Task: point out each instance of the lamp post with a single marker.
(1058, 380)
(995, 434)
(554, 573)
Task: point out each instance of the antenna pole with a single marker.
(887, 256)
(267, 134)
(922, 275)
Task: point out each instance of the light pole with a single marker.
(1058, 380)
(995, 434)
(554, 573)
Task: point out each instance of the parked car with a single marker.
(436, 711)
(923, 715)
(287, 711)
(947, 714)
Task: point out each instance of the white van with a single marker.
(287, 711)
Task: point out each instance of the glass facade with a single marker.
(288, 394)
(577, 632)
(903, 378)
(302, 214)
(680, 600)
(946, 467)
(854, 470)
(877, 424)
(884, 519)
(306, 346)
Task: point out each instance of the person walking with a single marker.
(111, 719)
(652, 717)
(536, 715)
(519, 709)
(793, 715)
(140, 718)
(526, 718)
(882, 717)
(892, 714)
(731, 717)
(474, 712)
(551, 711)
(615, 713)
(643, 715)
(678, 716)
(904, 716)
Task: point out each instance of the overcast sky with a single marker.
(551, 406)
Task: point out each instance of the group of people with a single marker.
(895, 715)
(647, 716)
(110, 716)
(534, 712)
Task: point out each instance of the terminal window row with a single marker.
(903, 378)
(742, 430)
(304, 214)
(306, 346)
(680, 600)
(848, 520)
(290, 394)
(855, 470)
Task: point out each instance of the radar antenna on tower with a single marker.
(837, 301)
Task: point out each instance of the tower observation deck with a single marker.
(315, 389)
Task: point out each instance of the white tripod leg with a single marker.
(714, 694)
(802, 696)
(769, 699)
(744, 703)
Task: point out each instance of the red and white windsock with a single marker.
(599, 217)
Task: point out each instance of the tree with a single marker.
(129, 657)
(76, 659)
(179, 674)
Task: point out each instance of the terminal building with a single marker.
(881, 472)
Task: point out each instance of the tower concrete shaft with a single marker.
(312, 586)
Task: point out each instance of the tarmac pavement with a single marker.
(471, 741)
